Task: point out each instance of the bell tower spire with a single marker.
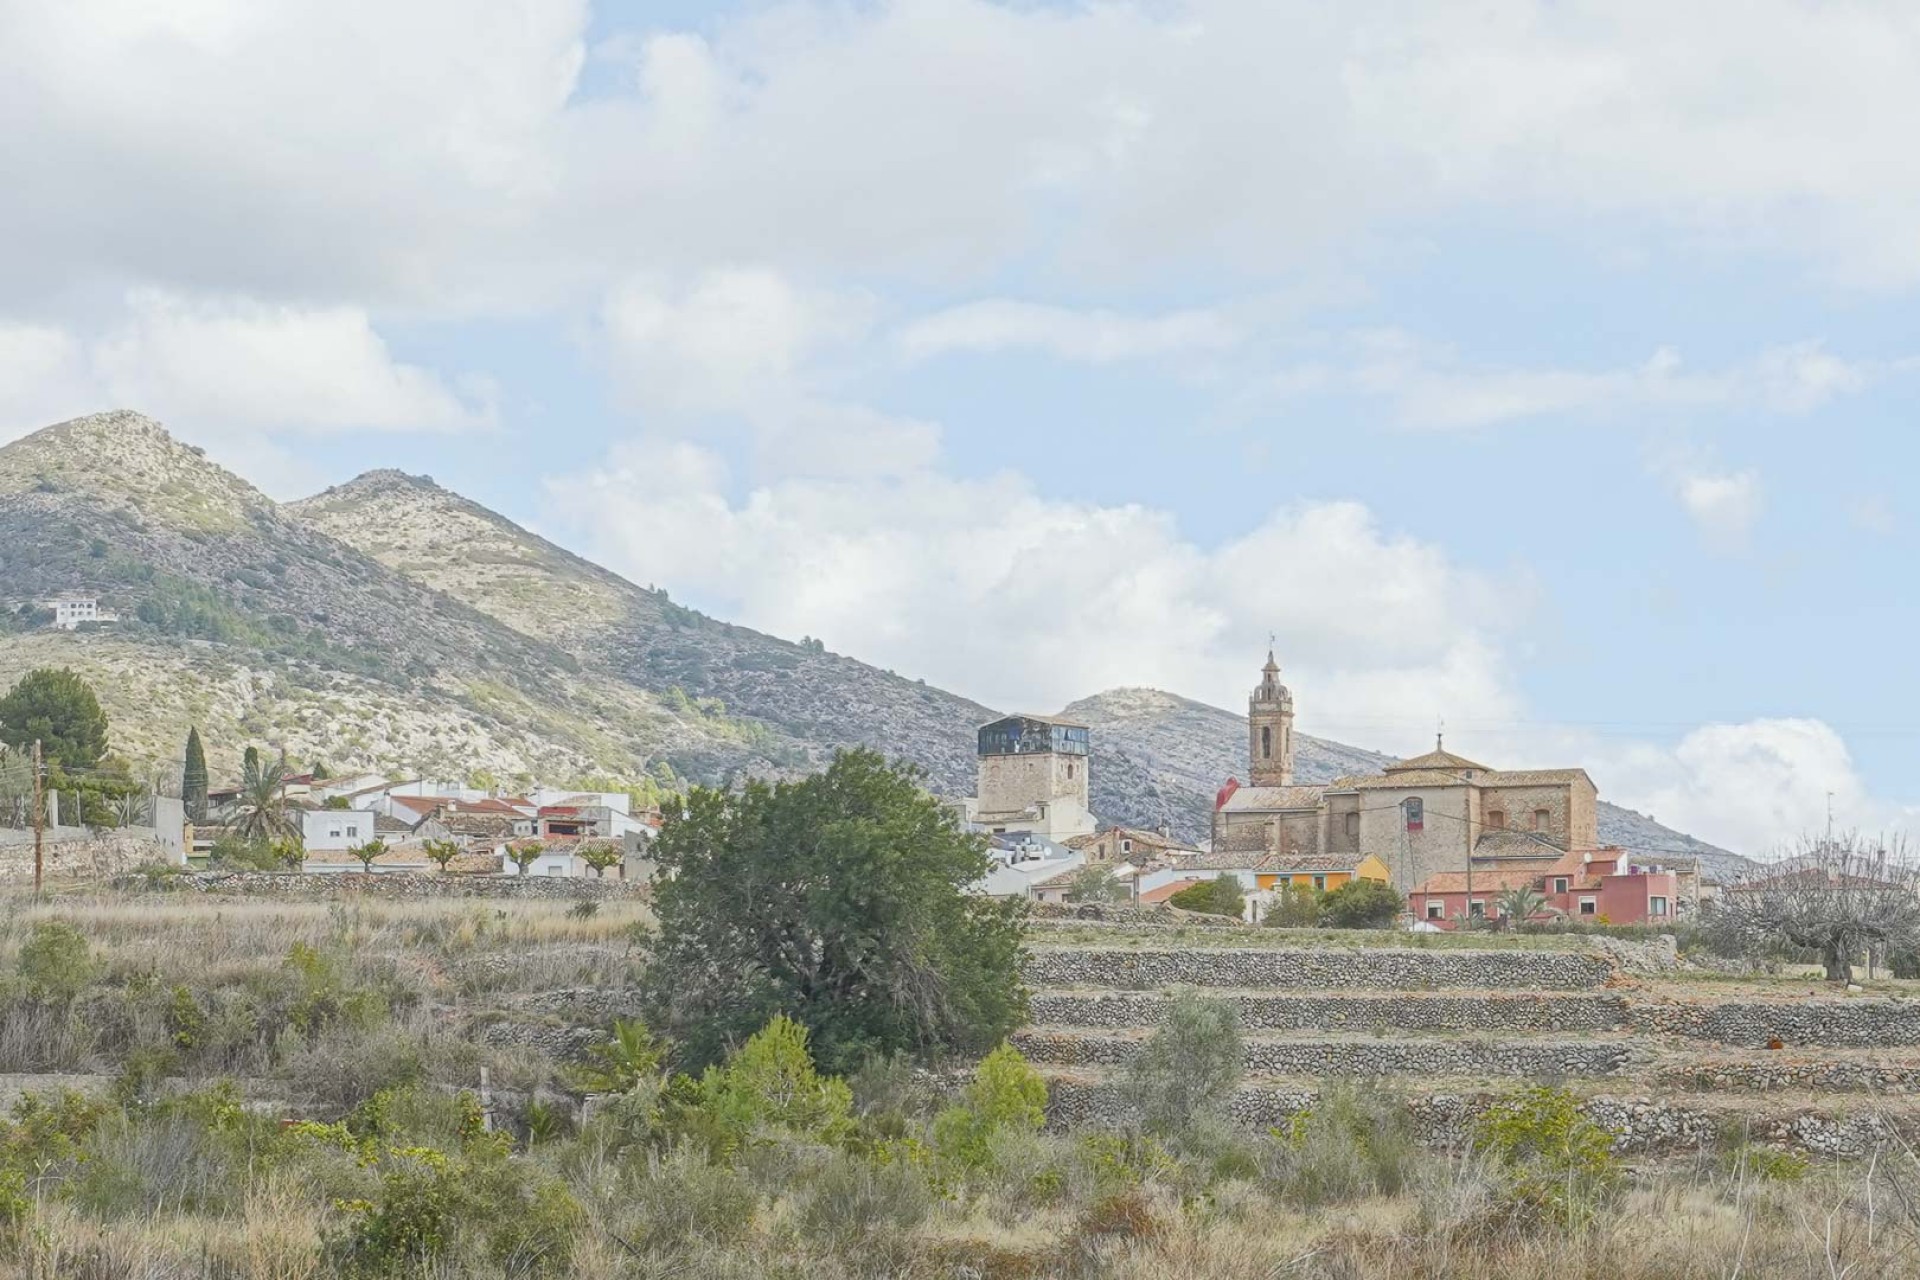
(1270, 729)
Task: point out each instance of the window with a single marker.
(1559, 884)
(334, 834)
(1435, 910)
(1126, 846)
(1069, 768)
(1320, 883)
(1416, 813)
(1496, 820)
(1543, 819)
(1477, 908)
(1266, 742)
(1353, 826)
(353, 831)
(1588, 907)
(1656, 906)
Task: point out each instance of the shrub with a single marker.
(1005, 1093)
(55, 961)
(1294, 906)
(1560, 1169)
(1220, 896)
(851, 1200)
(1349, 1145)
(629, 1055)
(1189, 1068)
(682, 1197)
(769, 1086)
(1361, 904)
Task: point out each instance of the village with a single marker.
(1458, 843)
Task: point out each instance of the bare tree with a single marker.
(1838, 896)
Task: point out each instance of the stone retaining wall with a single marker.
(399, 884)
(1524, 1059)
(1863, 1023)
(1315, 969)
(93, 858)
(1505, 1011)
(1640, 1125)
(1769, 1073)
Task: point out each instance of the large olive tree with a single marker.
(1841, 897)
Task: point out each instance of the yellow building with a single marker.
(1322, 871)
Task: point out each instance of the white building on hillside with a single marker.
(336, 830)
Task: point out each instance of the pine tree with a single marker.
(193, 779)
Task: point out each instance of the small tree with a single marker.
(1220, 896)
(290, 852)
(525, 854)
(365, 854)
(1360, 904)
(1294, 906)
(57, 709)
(1187, 1071)
(600, 856)
(1518, 905)
(193, 779)
(1838, 898)
(264, 816)
(1096, 882)
(442, 852)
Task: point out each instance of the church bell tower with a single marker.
(1270, 729)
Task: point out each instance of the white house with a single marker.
(618, 801)
(336, 830)
(353, 784)
(69, 612)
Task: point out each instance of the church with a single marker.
(1419, 816)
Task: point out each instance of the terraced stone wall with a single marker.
(1755, 1024)
(1362, 1058)
(1316, 969)
(1386, 1014)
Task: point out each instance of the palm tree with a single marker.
(263, 803)
(1519, 904)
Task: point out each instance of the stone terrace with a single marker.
(1669, 1060)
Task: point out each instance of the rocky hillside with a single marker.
(388, 623)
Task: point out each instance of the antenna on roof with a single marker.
(1440, 735)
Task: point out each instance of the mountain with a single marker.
(388, 623)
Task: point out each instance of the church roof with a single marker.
(1437, 759)
(1532, 777)
(1260, 799)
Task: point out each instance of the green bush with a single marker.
(680, 1197)
(1188, 1070)
(769, 1088)
(1294, 906)
(55, 961)
(850, 1200)
(1361, 904)
(1220, 896)
(1560, 1169)
(1005, 1094)
(1350, 1144)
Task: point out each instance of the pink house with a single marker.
(1595, 885)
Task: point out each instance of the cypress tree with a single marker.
(193, 779)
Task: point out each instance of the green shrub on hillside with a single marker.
(1361, 904)
(1220, 896)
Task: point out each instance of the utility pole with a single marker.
(39, 821)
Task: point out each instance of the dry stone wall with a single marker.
(1312, 969)
(1521, 1012)
(1864, 1023)
(399, 884)
(1320, 1058)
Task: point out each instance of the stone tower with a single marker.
(1270, 729)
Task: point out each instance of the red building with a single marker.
(1595, 885)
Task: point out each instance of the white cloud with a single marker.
(237, 362)
(1874, 514)
(1725, 506)
(1090, 337)
(1020, 600)
(227, 370)
(1750, 787)
(1431, 389)
(440, 152)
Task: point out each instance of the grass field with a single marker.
(290, 1090)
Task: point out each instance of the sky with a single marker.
(1539, 370)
